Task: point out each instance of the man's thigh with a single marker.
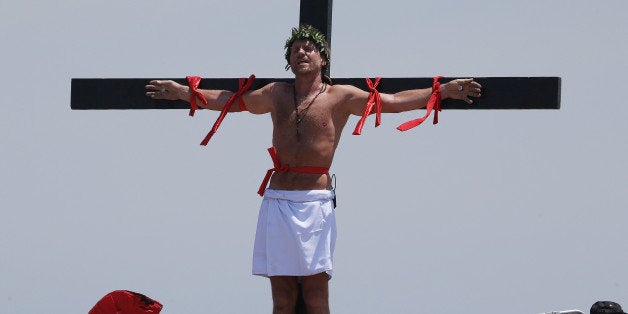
(316, 283)
(284, 286)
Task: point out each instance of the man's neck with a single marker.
(307, 84)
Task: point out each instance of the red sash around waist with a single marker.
(283, 168)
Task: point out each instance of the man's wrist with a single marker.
(444, 93)
(184, 93)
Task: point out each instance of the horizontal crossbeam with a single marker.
(497, 92)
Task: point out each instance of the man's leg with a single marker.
(316, 293)
(285, 292)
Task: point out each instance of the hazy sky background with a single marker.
(487, 212)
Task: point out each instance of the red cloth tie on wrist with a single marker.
(193, 82)
(373, 100)
(432, 104)
(245, 84)
(283, 168)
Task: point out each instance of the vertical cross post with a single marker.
(318, 14)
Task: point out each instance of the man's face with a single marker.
(305, 58)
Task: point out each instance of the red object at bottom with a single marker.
(126, 302)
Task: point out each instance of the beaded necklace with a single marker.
(300, 116)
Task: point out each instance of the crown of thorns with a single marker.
(307, 32)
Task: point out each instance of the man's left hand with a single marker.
(461, 89)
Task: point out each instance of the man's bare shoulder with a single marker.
(278, 88)
(352, 99)
(346, 91)
(264, 99)
(341, 88)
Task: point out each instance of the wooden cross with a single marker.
(497, 92)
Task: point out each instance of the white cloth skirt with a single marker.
(296, 233)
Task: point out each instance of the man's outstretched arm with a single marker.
(257, 101)
(414, 99)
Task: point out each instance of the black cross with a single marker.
(497, 92)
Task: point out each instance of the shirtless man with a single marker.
(296, 226)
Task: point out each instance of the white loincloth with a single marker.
(296, 233)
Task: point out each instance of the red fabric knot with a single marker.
(245, 84)
(278, 167)
(193, 82)
(434, 103)
(241, 83)
(373, 100)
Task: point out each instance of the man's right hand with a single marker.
(169, 90)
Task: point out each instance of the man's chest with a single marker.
(316, 116)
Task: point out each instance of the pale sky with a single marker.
(488, 212)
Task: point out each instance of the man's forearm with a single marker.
(406, 100)
(216, 99)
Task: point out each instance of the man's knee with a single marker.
(316, 298)
(316, 291)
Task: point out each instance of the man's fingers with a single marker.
(473, 88)
(470, 83)
(158, 89)
(156, 85)
(465, 81)
(155, 90)
(469, 88)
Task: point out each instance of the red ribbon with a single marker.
(283, 168)
(193, 82)
(374, 99)
(432, 104)
(245, 84)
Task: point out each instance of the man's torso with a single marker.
(319, 132)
